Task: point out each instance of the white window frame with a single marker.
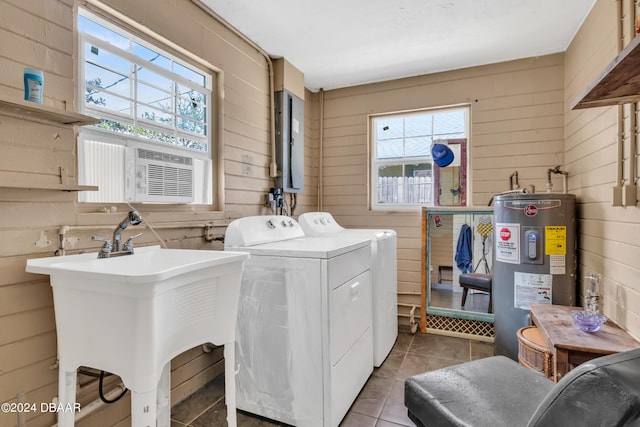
(375, 163)
(132, 140)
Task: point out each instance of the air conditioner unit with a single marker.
(160, 177)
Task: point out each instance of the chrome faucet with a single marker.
(110, 249)
(132, 218)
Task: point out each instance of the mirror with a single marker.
(456, 241)
(451, 182)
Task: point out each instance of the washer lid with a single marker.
(308, 247)
(372, 233)
(318, 223)
(323, 224)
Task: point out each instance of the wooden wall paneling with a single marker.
(605, 242)
(20, 354)
(516, 123)
(35, 152)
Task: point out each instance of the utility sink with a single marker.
(130, 315)
(149, 264)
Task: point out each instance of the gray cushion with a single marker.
(476, 394)
(497, 391)
(601, 392)
(476, 280)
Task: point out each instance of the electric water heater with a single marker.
(534, 260)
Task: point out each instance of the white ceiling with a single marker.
(341, 43)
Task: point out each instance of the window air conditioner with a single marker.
(161, 177)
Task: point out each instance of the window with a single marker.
(403, 172)
(153, 142)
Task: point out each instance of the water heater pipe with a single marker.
(514, 177)
(557, 170)
(518, 191)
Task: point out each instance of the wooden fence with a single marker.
(399, 190)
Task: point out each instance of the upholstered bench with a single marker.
(497, 391)
(477, 282)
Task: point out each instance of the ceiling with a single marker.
(341, 43)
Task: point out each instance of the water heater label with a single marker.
(555, 240)
(557, 264)
(531, 210)
(532, 207)
(531, 288)
(507, 243)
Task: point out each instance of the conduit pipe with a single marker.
(617, 190)
(273, 167)
(631, 190)
(320, 149)
(630, 193)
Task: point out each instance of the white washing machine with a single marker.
(304, 346)
(384, 275)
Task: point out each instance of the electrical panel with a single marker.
(289, 141)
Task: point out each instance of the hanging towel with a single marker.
(464, 253)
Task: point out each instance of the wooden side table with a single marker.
(571, 346)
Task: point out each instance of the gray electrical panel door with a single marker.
(289, 141)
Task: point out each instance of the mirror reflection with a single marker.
(459, 245)
(450, 182)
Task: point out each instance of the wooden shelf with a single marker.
(56, 187)
(38, 112)
(41, 113)
(619, 83)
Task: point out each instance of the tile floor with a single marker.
(379, 404)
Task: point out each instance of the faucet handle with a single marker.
(128, 245)
(106, 247)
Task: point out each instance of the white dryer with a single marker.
(384, 275)
(303, 334)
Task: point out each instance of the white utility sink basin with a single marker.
(130, 315)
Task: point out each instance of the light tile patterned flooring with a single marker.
(379, 404)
